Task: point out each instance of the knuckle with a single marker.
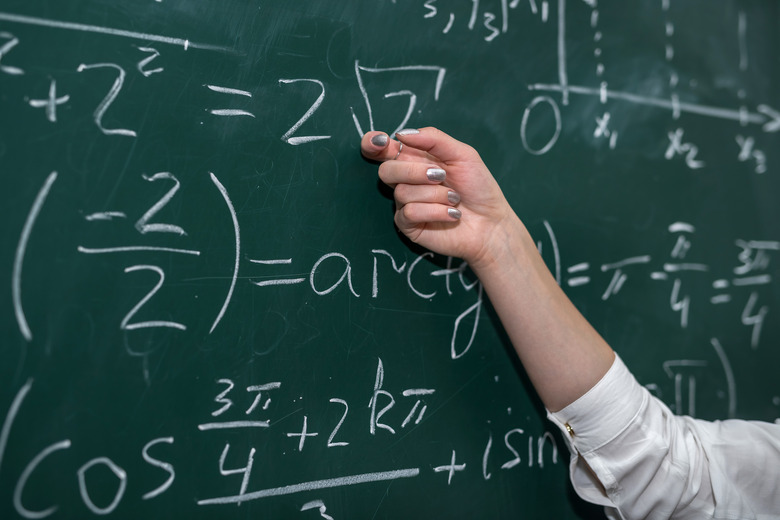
(399, 219)
(402, 193)
(409, 213)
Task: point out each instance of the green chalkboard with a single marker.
(207, 310)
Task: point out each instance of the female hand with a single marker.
(446, 199)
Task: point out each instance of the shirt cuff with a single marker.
(602, 412)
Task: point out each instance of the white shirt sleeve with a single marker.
(631, 454)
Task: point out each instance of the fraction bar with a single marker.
(761, 279)
(628, 261)
(45, 22)
(233, 424)
(126, 249)
(314, 485)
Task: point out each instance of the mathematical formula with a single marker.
(248, 409)
(178, 173)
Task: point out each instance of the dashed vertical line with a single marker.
(743, 110)
(743, 63)
(669, 57)
(742, 33)
(602, 129)
(597, 50)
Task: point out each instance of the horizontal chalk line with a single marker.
(233, 424)
(45, 22)
(314, 485)
(693, 108)
(126, 249)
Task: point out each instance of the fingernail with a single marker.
(379, 140)
(453, 197)
(454, 213)
(436, 174)
(407, 131)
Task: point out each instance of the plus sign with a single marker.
(304, 433)
(451, 468)
(50, 103)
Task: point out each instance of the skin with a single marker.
(562, 354)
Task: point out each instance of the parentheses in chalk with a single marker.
(237, 233)
(21, 250)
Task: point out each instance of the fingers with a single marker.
(378, 146)
(409, 194)
(415, 214)
(437, 144)
(415, 168)
(397, 172)
(422, 204)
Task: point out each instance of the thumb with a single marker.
(378, 146)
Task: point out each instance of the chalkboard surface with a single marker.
(208, 313)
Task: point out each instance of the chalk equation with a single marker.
(743, 284)
(249, 408)
(146, 62)
(198, 200)
(750, 272)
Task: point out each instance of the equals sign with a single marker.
(229, 112)
(277, 281)
(575, 281)
(720, 298)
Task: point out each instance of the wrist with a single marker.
(506, 243)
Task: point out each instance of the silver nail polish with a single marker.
(436, 174)
(379, 140)
(407, 131)
(454, 213)
(453, 197)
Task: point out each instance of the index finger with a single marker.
(378, 146)
(438, 145)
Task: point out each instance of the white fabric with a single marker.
(645, 462)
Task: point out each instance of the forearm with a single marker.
(562, 354)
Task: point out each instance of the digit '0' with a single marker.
(524, 125)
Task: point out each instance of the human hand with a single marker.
(446, 198)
